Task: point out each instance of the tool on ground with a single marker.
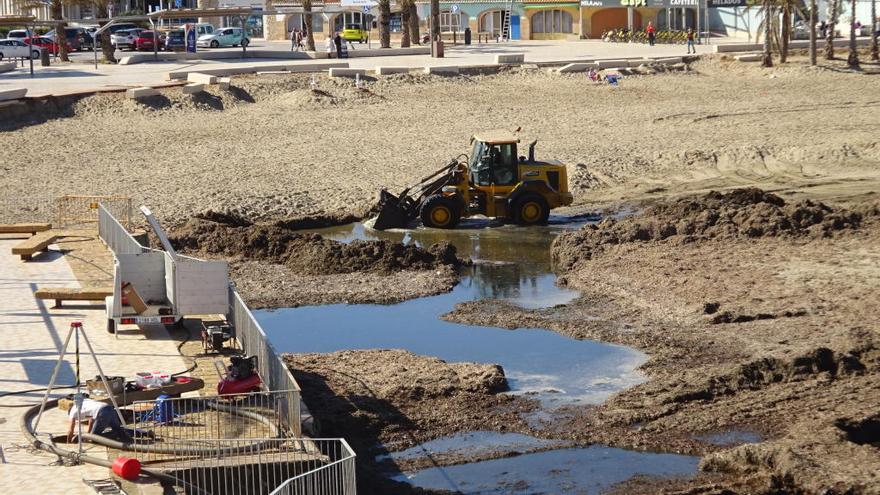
(105, 486)
(76, 329)
(241, 376)
(215, 335)
(494, 181)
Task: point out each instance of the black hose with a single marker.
(77, 457)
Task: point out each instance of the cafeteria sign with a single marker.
(358, 3)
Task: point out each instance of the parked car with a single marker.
(354, 32)
(125, 39)
(175, 41)
(144, 40)
(122, 26)
(204, 28)
(77, 38)
(17, 49)
(224, 37)
(18, 34)
(45, 43)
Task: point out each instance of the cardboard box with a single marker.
(134, 300)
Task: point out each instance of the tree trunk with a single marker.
(767, 59)
(853, 59)
(812, 32)
(60, 31)
(875, 56)
(307, 19)
(435, 20)
(404, 24)
(384, 23)
(829, 36)
(414, 34)
(106, 48)
(786, 33)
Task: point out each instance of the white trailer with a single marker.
(171, 286)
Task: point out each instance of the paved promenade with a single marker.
(80, 75)
(32, 336)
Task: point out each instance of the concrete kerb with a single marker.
(385, 70)
(750, 57)
(224, 82)
(449, 69)
(793, 45)
(251, 69)
(346, 72)
(7, 67)
(193, 88)
(135, 93)
(510, 58)
(198, 77)
(577, 67)
(12, 94)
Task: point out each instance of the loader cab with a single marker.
(494, 161)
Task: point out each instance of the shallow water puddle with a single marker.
(556, 369)
(579, 470)
(512, 264)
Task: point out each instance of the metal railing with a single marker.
(115, 235)
(274, 372)
(80, 210)
(335, 478)
(260, 467)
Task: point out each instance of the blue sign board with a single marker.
(454, 8)
(191, 40)
(178, 4)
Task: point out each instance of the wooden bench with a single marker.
(73, 294)
(24, 228)
(27, 249)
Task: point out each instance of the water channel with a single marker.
(511, 264)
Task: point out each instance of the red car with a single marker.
(144, 40)
(46, 44)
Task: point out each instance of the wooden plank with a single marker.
(24, 228)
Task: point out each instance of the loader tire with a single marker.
(440, 212)
(530, 209)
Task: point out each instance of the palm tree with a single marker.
(307, 19)
(404, 23)
(384, 24)
(767, 59)
(853, 59)
(812, 32)
(57, 9)
(414, 24)
(435, 20)
(875, 56)
(832, 23)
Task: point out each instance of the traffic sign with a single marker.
(454, 8)
(366, 9)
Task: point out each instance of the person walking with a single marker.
(293, 40)
(650, 31)
(328, 45)
(299, 40)
(690, 41)
(337, 40)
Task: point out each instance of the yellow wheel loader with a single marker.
(493, 181)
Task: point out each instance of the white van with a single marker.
(204, 28)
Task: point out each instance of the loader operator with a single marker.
(99, 418)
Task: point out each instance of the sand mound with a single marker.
(741, 213)
(309, 254)
(330, 97)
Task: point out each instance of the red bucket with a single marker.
(127, 468)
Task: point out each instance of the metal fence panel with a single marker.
(115, 236)
(253, 341)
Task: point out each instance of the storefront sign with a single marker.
(358, 3)
(633, 3)
(728, 3)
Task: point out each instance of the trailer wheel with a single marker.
(111, 326)
(440, 212)
(530, 209)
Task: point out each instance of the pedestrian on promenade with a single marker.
(337, 40)
(650, 31)
(299, 40)
(328, 45)
(690, 41)
(823, 28)
(293, 40)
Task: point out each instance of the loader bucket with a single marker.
(391, 213)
